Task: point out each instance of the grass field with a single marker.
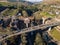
(10, 12)
(47, 14)
(14, 12)
(55, 34)
(4, 3)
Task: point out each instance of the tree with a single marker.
(25, 13)
(11, 40)
(4, 43)
(37, 15)
(38, 40)
(23, 39)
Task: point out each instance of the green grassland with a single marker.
(55, 34)
(4, 3)
(13, 12)
(10, 12)
(39, 15)
(46, 14)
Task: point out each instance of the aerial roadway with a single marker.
(34, 28)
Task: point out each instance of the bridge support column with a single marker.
(27, 21)
(49, 29)
(43, 20)
(13, 17)
(26, 25)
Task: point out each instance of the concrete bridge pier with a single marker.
(43, 22)
(27, 21)
(13, 17)
(49, 29)
(27, 25)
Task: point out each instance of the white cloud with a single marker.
(34, 0)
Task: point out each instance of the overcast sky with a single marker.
(34, 0)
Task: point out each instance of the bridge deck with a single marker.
(31, 29)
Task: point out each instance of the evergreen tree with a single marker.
(11, 40)
(38, 40)
(4, 43)
(25, 14)
(23, 39)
